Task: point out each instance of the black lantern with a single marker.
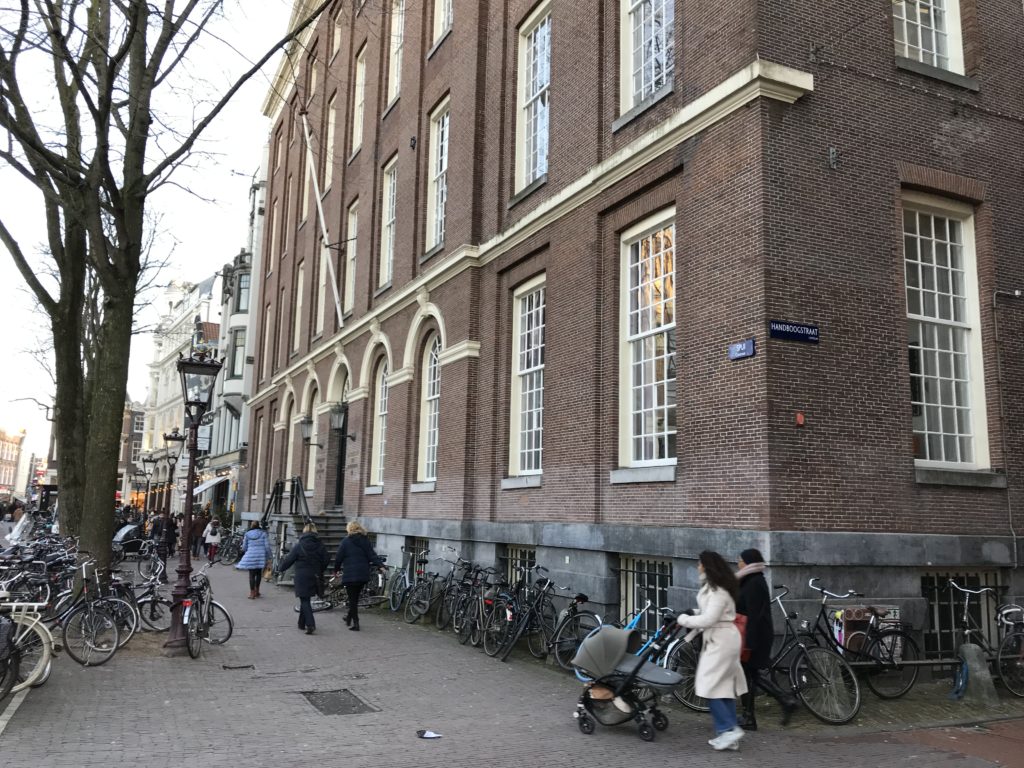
(306, 431)
(198, 376)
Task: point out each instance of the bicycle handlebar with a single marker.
(850, 593)
(971, 591)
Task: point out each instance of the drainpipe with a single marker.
(1015, 294)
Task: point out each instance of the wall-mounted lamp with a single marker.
(306, 430)
(339, 420)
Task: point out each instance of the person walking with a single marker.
(256, 553)
(212, 538)
(309, 556)
(198, 527)
(719, 677)
(354, 558)
(755, 603)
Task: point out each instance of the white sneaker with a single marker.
(719, 744)
(730, 739)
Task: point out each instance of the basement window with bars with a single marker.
(518, 557)
(414, 547)
(642, 579)
(942, 631)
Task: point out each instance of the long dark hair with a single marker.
(718, 573)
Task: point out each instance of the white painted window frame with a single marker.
(314, 438)
(378, 448)
(443, 18)
(953, 31)
(359, 100)
(653, 223)
(430, 409)
(388, 222)
(300, 290)
(437, 184)
(527, 141)
(629, 97)
(332, 119)
(351, 253)
(396, 43)
(963, 213)
(533, 286)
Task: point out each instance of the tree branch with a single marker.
(27, 273)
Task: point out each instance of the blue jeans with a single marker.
(723, 714)
(306, 620)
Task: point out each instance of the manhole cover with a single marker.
(340, 702)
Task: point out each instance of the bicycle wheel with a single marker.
(220, 624)
(418, 602)
(570, 633)
(1010, 662)
(124, 615)
(826, 685)
(445, 608)
(397, 588)
(469, 620)
(894, 653)
(148, 566)
(462, 602)
(231, 554)
(155, 613)
(34, 649)
(683, 659)
(194, 629)
(90, 635)
(497, 627)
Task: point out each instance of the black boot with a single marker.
(355, 625)
(348, 621)
(747, 721)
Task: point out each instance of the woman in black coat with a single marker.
(355, 557)
(755, 603)
(309, 556)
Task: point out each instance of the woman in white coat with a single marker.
(720, 677)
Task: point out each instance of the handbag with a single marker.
(741, 624)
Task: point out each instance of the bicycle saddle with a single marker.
(878, 612)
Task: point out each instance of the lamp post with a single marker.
(175, 442)
(148, 462)
(198, 374)
(339, 424)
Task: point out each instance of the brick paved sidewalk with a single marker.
(142, 708)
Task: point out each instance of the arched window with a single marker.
(380, 425)
(430, 407)
(314, 438)
(289, 451)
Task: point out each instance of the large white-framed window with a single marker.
(332, 119)
(323, 271)
(526, 429)
(388, 221)
(430, 409)
(307, 183)
(534, 83)
(359, 99)
(289, 446)
(244, 288)
(334, 38)
(378, 449)
(139, 423)
(260, 459)
(929, 31)
(646, 49)
(136, 451)
(275, 244)
(237, 368)
(647, 369)
(437, 187)
(443, 18)
(314, 439)
(351, 252)
(300, 290)
(268, 340)
(396, 43)
(947, 386)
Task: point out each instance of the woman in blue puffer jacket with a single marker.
(256, 554)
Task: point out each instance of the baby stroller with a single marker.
(624, 686)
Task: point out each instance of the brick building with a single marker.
(548, 225)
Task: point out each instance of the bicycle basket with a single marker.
(6, 638)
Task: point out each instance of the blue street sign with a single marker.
(783, 329)
(742, 349)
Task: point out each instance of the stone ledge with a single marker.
(427, 487)
(967, 478)
(666, 474)
(373, 490)
(937, 73)
(522, 481)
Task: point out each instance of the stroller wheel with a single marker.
(659, 721)
(646, 731)
(586, 724)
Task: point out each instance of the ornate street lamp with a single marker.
(148, 462)
(339, 423)
(198, 374)
(175, 443)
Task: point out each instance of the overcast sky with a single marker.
(204, 234)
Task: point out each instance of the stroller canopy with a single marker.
(601, 652)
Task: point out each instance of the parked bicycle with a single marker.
(1008, 654)
(204, 618)
(884, 653)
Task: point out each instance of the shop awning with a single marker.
(209, 484)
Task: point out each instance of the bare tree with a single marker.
(96, 149)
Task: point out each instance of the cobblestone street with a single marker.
(242, 704)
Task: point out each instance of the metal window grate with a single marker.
(642, 579)
(519, 557)
(942, 633)
(413, 546)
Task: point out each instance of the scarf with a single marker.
(747, 570)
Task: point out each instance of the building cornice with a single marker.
(759, 79)
(283, 82)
